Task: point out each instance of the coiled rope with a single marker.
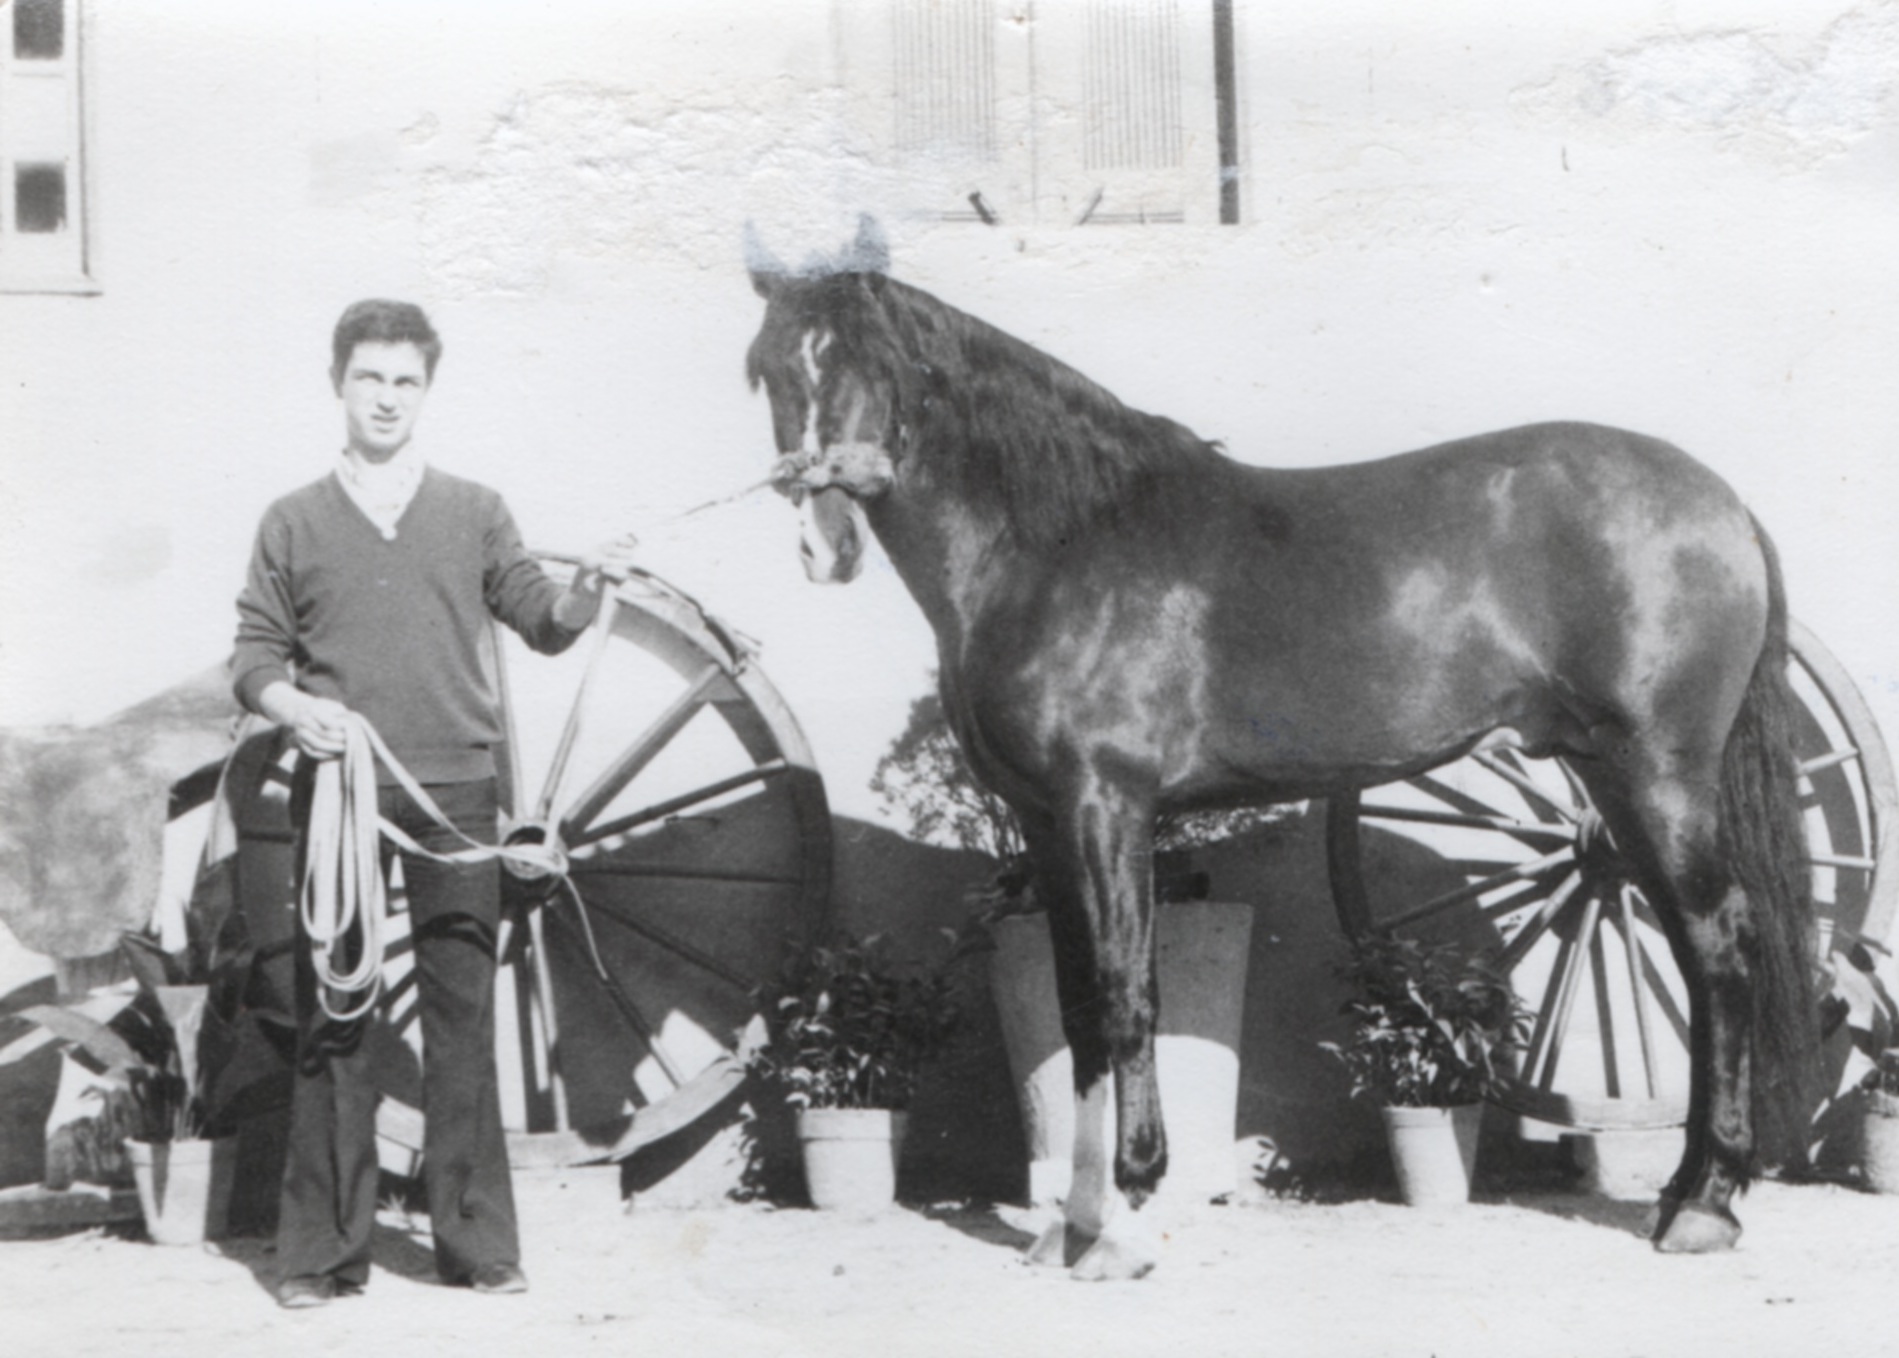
(343, 899)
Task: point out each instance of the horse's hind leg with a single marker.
(1665, 819)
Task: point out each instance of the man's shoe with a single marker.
(306, 1290)
(499, 1279)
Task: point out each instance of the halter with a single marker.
(861, 470)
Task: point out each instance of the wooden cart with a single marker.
(1498, 848)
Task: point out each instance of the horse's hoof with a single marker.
(1058, 1247)
(1660, 1213)
(1696, 1230)
(1112, 1260)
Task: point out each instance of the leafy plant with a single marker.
(1431, 1024)
(847, 1027)
(1881, 1083)
(924, 776)
(160, 1045)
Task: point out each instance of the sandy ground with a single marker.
(1544, 1274)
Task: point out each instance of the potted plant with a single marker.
(156, 1050)
(1879, 1129)
(848, 1030)
(1204, 947)
(1431, 1029)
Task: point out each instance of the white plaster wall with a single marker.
(1678, 217)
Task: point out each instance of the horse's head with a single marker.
(834, 400)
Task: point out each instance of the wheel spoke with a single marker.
(1463, 801)
(396, 999)
(601, 867)
(1578, 793)
(570, 729)
(639, 754)
(1546, 1010)
(629, 1009)
(1605, 1016)
(1539, 924)
(1526, 895)
(674, 805)
(1637, 987)
(1539, 800)
(674, 944)
(1565, 1004)
(1453, 796)
(1841, 860)
(1471, 820)
(542, 997)
(1655, 984)
(1832, 759)
(1485, 867)
(1438, 904)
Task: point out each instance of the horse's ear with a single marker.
(767, 270)
(870, 252)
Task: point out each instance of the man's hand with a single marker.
(610, 562)
(320, 725)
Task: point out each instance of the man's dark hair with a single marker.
(377, 321)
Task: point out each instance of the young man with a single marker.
(370, 592)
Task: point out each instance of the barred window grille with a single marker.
(1092, 112)
(1132, 105)
(945, 68)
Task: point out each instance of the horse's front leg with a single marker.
(1101, 918)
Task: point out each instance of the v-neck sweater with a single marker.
(395, 628)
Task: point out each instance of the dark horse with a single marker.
(1120, 610)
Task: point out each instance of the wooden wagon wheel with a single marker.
(679, 794)
(1500, 836)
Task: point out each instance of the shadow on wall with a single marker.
(965, 1137)
(1291, 1093)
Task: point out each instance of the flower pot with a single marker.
(184, 1187)
(1434, 1151)
(1203, 958)
(850, 1157)
(1879, 1143)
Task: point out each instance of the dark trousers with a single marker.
(328, 1206)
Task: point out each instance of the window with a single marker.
(44, 245)
(1097, 112)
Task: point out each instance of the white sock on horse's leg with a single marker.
(1084, 1211)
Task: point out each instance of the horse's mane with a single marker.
(1001, 423)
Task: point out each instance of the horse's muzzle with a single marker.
(831, 543)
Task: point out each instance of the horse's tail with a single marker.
(1764, 843)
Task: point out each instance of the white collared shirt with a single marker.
(382, 490)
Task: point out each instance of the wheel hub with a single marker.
(540, 872)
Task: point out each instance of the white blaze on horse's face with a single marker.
(845, 462)
(810, 347)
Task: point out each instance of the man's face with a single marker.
(382, 387)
